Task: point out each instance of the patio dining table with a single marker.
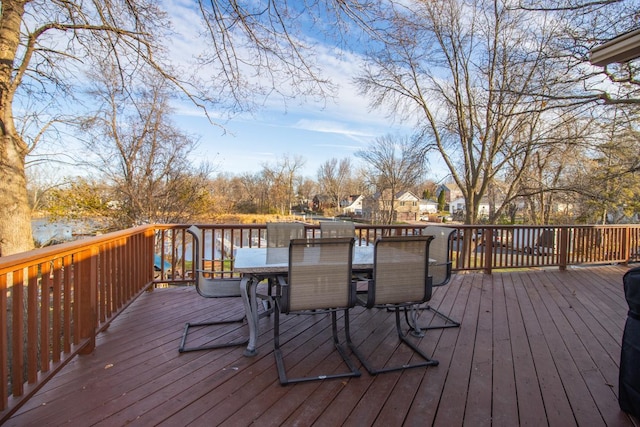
(258, 264)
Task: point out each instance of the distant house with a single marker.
(352, 205)
(428, 206)
(457, 207)
(451, 190)
(406, 206)
(322, 202)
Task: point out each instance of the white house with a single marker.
(457, 206)
(353, 205)
(428, 206)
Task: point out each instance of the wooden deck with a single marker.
(535, 348)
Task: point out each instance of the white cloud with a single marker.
(331, 127)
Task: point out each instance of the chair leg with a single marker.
(267, 300)
(355, 350)
(282, 375)
(403, 339)
(448, 322)
(184, 349)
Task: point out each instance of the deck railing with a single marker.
(54, 301)
(488, 248)
(473, 248)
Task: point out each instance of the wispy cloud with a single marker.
(332, 127)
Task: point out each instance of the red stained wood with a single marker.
(535, 348)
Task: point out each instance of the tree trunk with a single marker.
(15, 220)
(15, 214)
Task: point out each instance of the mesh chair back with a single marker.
(279, 234)
(400, 271)
(206, 284)
(319, 275)
(440, 250)
(337, 229)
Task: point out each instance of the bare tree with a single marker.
(464, 72)
(306, 189)
(552, 162)
(333, 178)
(395, 164)
(610, 182)
(45, 45)
(141, 154)
(280, 179)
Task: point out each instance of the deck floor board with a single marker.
(537, 347)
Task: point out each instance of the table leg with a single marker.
(248, 292)
(413, 323)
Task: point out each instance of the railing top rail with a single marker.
(512, 226)
(15, 261)
(19, 260)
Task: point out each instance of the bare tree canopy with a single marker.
(254, 50)
(140, 153)
(583, 25)
(487, 84)
(463, 72)
(281, 179)
(334, 177)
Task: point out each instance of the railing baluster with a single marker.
(56, 332)
(67, 304)
(32, 323)
(4, 344)
(17, 333)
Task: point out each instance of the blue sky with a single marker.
(316, 131)
(266, 136)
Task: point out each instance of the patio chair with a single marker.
(279, 234)
(319, 280)
(209, 287)
(440, 272)
(337, 229)
(341, 229)
(400, 280)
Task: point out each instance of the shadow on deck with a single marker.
(535, 348)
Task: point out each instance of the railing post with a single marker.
(488, 250)
(563, 255)
(148, 260)
(625, 247)
(87, 299)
